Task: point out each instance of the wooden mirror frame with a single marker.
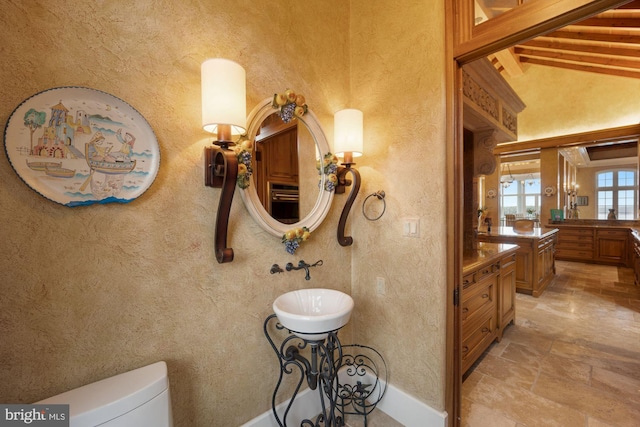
(250, 196)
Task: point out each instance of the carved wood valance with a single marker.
(489, 102)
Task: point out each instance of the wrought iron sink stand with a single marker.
(321, 368)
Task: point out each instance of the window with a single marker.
(522, 196)
(616, 189)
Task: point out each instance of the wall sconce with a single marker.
(224, 113)
(348, 143)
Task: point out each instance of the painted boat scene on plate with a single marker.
(79, 146)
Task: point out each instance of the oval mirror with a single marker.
(286, 190)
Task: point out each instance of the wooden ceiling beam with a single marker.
(612, 61)
(543, 42)
(591, 69)
(598, 37)
(607, 43)
(610, 22)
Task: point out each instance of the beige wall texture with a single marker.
(397, 62)
(562, 102)
(90, 292)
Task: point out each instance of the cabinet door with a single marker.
(478, 299)
(611, 246)
(281, 157)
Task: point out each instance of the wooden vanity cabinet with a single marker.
(487, 300)
(479, 312)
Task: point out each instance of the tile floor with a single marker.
(572, 359)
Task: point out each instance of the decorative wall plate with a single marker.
(549, 191)
(79, 146)
(492, 193)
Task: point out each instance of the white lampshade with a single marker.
(348, 133)
(224, 99)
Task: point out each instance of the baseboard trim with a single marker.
(397, 404)
(409, 411)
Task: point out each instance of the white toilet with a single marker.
(138, 398)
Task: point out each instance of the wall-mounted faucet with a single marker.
(275, 268)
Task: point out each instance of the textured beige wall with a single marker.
(94, 291)
(90, 292)
(561, 102)
(397, 60)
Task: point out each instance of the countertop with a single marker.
(596, 223)
(537, 233)
(485, 254)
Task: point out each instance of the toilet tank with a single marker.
(138, 398)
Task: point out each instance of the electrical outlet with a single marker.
(380, 286)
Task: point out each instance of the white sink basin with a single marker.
(312, 313)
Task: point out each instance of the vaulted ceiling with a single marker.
(608, 43)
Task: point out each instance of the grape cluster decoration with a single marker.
(243, 151)
(294, 237)
(290, 104)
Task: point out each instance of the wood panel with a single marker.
(523, 22)
(607, 43)
(507, 294)
(611, 246)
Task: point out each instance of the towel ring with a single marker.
(380, 196)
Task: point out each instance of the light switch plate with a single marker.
(411, 227)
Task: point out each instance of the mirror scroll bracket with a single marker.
(221, 171)
(340, 188)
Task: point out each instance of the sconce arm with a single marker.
(221, 171)
(355, 187)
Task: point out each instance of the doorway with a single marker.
(463, 46)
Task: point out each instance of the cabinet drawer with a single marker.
(478, 299)
(507, 261)
(468, 280)
(479, 275)
(619, 234)
(587, 246)
(544, 243)
(486, 272)
(478, 340)
(576, 232)
(575, 240)
(585, 253)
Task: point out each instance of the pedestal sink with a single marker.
(312, 313)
